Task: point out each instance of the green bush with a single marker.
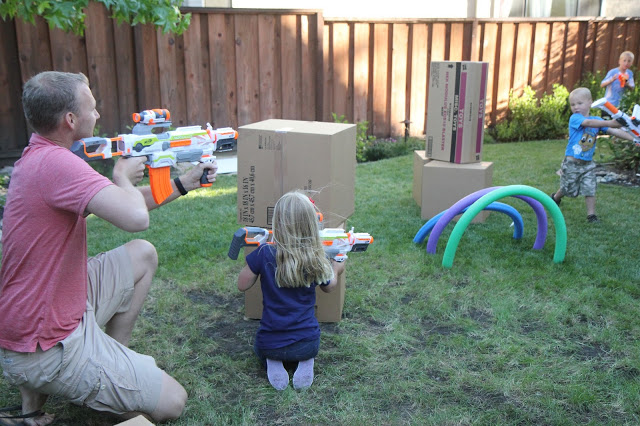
(532, 119)
(592, 82)
(625, 154)
(369, 148)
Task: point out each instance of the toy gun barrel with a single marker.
(247, 236)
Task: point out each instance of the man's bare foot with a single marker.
(41, 420)
(32, 403)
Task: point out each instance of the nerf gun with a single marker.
(163, 150)
(335, 241)
(630, 124)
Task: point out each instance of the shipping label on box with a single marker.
(277, 156)
(455, 114)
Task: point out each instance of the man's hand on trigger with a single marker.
(191, 179)
(129, 168)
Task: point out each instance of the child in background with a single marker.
(578, 170)
(289, 271)
(618, 79)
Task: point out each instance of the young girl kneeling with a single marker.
(289, 271)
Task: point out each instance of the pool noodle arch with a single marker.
(470, 199)
(491, 196)
(518, 224)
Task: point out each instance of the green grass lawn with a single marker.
(505, 336)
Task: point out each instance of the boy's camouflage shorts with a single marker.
(578, 177)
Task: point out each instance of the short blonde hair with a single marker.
(580, 92)
(627, 53)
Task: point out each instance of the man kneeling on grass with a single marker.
(54, 302)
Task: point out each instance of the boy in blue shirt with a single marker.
(618, 79)
(578, 169)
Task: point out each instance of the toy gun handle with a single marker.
(246, 236)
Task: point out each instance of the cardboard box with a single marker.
(445, 183)
(419, 160)
(456, 107)
(136, 421)
(277, 156)
(328, 305)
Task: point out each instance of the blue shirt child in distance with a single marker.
(618, 79)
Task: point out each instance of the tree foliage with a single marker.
(69, 15)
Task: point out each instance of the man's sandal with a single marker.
(18, 419)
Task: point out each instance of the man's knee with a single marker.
(143, 253)
(173, 399)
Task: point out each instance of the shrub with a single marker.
(530, 119)
(626, 154)
(592, 82)
(369, 148)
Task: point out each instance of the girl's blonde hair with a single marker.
(300, 258)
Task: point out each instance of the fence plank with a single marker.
(146, 45)
(13, 136)
(556, 55)
(361, 72)
(617, 41)
(457, 40)
(419, 79)
(398, 112)
(307, 69)
(588, 63)
(570, 67)
(101, 67)
(381, 80)
(246, 68)
(33, 47)
(504, 70)
(222, 55)
(270, 70)
(632, 42)
(488, 54)
(125, 73)
(172, 78)
(522, 66)
(342, 104)
(67, 52)
(603, 47)
(541, 47)
(290, 53)
(327, 83)
(196, 65)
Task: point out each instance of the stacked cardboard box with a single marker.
(455, 114)
(277, 156)
(451, 165)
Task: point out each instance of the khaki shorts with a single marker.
(88, 367)
(578, 177)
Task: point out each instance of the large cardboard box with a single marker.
(328, 305)
(276, 156)
(455, 114)
(445, 183)
(136, 421)
(419, 160)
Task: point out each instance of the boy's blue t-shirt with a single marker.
(288, 314)
(582, 140)
(614, 91)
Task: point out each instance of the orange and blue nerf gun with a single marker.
(163, 150)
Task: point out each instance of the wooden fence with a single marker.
(234, 67)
